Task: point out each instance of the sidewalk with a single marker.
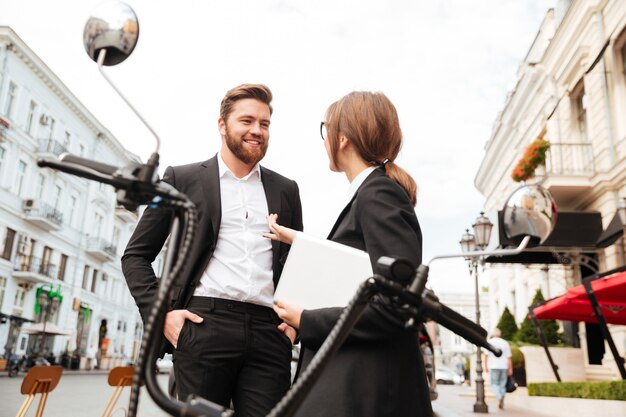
(5, 374)
(458, 401)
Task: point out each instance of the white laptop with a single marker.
(321, 273)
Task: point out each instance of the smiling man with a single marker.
(229, 345)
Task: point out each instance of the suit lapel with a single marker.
(210, 178)
(272, 195)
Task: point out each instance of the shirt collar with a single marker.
(358, 180)
(254, 173)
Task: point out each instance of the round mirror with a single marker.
(113, 26)
(529, 211)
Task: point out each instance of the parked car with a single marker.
(447, 376)
(165, 364)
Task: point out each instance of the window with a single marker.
(2, 154)
(62, 267)
(41, 185)
(581, 103)
(45, 260)
(19, 178)
(10, 100)
(624, 59)
(30, 118)
(85, 277)
(97, 228)
(18, 301)
(9, 240)
(3, 287)
(57, 197)
(51, 132)
(116, 236)
(72, 209)
(67, 140)
(94, 281)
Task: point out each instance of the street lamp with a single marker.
(470, 242)
(49, 300)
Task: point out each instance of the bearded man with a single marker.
(229, 345)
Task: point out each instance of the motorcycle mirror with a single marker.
(112, 26)
(529, 211)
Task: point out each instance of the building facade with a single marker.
(452, 348)
(61, 236)
(571, 91)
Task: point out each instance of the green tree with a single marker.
(507, 325)
(550, 328)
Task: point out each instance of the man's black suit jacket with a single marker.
(200, 182)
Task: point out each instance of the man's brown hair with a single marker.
(256, 91)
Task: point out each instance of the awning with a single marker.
(574, 230)
(574, 305)
(50, 329)
(614, 231)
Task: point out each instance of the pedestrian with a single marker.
(499, 367)
(379, 370)
(229, 345)
(92, 352)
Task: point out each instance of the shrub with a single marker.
(550, 328)
(507, 325)
(607, 390)
(517, 357)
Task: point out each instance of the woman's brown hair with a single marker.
(370, 122)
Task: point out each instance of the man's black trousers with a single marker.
(236, 354)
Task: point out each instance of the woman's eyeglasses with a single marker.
(323, 130)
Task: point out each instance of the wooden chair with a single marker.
(39, 380)
(119, 377)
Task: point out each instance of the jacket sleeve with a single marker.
(390, 228)
(143, 247)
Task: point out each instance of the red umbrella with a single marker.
(574, 305)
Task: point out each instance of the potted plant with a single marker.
(534, 156)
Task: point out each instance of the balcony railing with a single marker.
(102, 245)
(51, 146)
(42, 210)
(36, 266)
(573, 159)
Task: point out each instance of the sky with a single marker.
(447, 65)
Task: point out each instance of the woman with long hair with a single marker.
(379, 370)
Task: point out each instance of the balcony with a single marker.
(101, 249)
(50, 147)
(569, 170)
(42, 215)
(34, 270)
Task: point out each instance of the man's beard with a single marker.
(245, 155)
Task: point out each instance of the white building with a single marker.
(452, 346)
(58, 232)
(571, 91)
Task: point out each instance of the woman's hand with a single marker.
(278, 232)
(288, 313)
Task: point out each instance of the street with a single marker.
(86, 394)
(77, 395)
